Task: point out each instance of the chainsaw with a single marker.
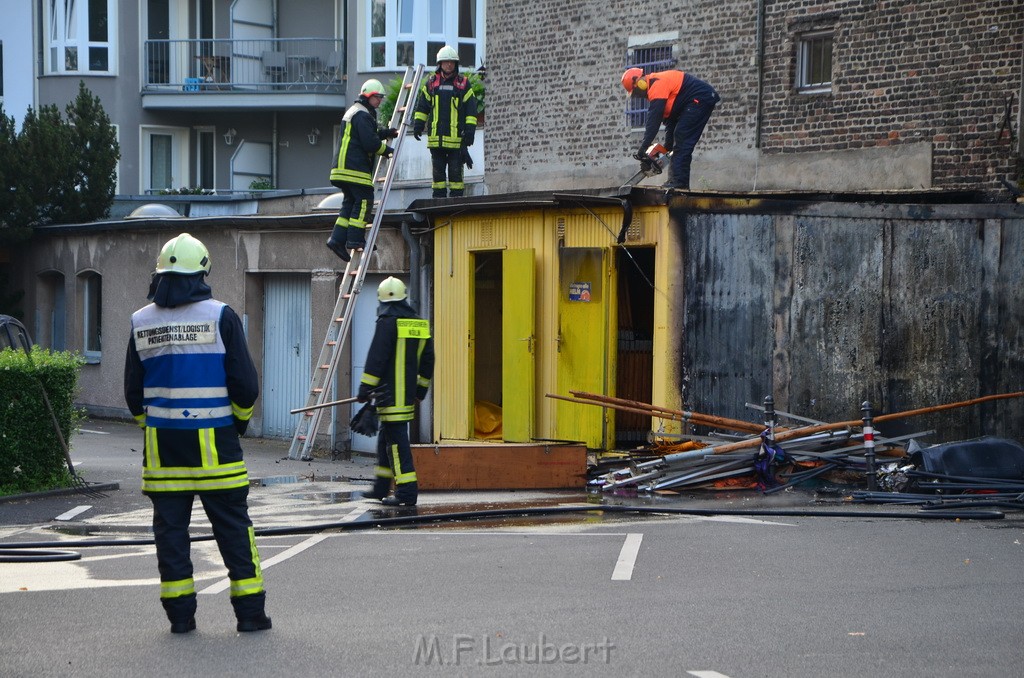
(653, 163)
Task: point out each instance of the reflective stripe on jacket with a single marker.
(448, 109)
(188, 376)
(359, 142)
(400, 362)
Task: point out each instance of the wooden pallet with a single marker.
(475, 465)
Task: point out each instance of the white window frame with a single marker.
(60, 35)
(180, 157)
(421, 35)
(806, 53)
(92, 307)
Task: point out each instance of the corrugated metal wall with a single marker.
(824, 312)
(286, 359)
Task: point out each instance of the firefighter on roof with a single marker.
(190, 383)
(684, 103)
(446, 108)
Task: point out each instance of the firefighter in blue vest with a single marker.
(399, 367)
(446, 108)
(359, 144)
(190, 383)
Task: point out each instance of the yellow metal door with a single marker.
(517, 344)
(584, 302)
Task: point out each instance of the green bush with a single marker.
(31, 457)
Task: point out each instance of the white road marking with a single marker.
(101, 433)
(68, 515)
(223, 584)
(707, 674)
(627, 557)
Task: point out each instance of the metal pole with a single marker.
(869, 446)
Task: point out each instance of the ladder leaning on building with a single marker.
(352, 282)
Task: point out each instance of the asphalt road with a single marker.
(590, 593)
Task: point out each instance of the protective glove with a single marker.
(388, 152)
(641, 155)
(391, 133)
(366, 422)
(241, 425)
(467, 159)
(417, 130)
(364, 394)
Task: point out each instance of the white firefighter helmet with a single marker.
(371, 87)
(447, 53)
(391, 289)
(185, 255)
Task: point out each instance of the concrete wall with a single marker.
(824, 308)
(920, 92)
(242, 250)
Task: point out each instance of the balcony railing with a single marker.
(280, 65)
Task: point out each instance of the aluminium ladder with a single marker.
(352, 281)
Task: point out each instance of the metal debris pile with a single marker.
(773, 458)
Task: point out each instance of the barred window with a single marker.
(651, 59)
(814, 63)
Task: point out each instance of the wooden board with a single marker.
(482, 466)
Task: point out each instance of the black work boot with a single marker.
(395, 500)
(260, 622)
(338, 249)
(183, 626)
(336, 243)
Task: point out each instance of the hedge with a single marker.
(31, 456)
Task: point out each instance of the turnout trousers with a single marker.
(355, 213)
(448, 177)
(394, 461)
(233, 531)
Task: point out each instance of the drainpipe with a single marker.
(415, 264)
(760, 74)
(274, 152)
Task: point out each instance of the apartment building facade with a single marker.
(237, 95)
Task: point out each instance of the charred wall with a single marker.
(823, 310)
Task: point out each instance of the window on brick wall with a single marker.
(651, 59)
(814, 63)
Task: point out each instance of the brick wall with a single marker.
(939, 72)
(929, 72)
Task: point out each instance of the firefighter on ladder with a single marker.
(360, 141)
(190, 383)
(446, 108)
(399, 367)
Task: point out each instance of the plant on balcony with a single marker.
(261, 184)
(187, 191)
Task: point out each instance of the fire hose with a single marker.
(55, 551)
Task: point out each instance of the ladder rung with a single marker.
(325, 367)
